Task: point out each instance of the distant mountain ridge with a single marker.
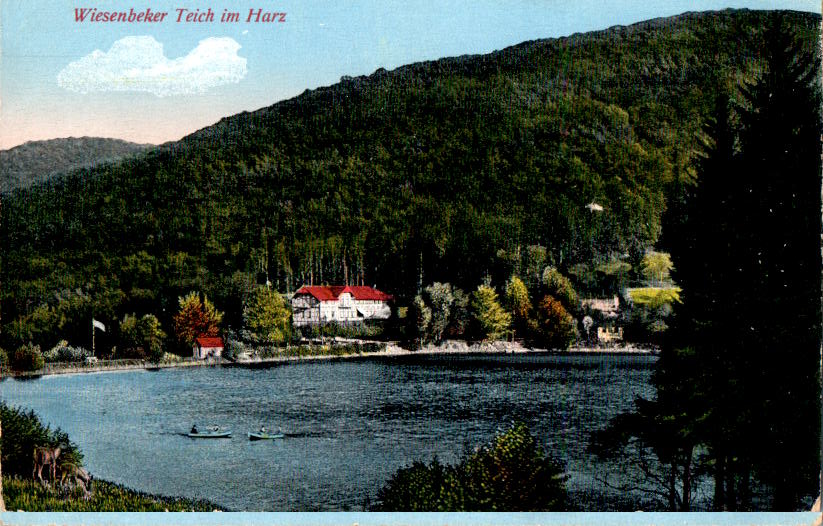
(36, 161)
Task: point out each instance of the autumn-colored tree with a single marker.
(196, 318)
(556, 328)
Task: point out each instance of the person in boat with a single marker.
(216, 429)
(194, 429)
(263, 429)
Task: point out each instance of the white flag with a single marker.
(98, 325)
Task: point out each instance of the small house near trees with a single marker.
(317, 305)
(207, 347)
(605, 312)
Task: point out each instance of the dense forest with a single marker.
(456, 170)
(33, 162)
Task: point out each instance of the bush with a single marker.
(22, 432)
(511, 474)
(28, 357)
(234, 346)
(4, 358)
(141, 338)
(170, 358)
(356, 330)
(63, 352)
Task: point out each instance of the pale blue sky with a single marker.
(320, 41)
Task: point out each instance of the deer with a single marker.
(73, 475)
(45, 456)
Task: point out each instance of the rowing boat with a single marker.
(211, 434)
(265, 436)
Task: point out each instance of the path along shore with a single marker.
(391, 350)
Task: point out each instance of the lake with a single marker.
(348, 424)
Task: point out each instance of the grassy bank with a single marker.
(27, 495)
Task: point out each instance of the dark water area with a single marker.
(348, 424)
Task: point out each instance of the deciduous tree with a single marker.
(492, 321)
(196, 318)
(267, 316)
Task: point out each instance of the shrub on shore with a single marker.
(511, 474)
(63, 352)
(28, 357)
(308, 351)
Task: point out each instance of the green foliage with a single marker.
(30, 496)
(461, 317)
(441, 311)
(422, 316)
(308, 351)
(656, 268)
(141, 338)
(196, 318)
(517, 298)
(28, 357)
(4, 358)
(651, 309)
(491, 320)
(22, 433)
(518, 303)
(654, 297)
(267, 317)
(63, 352)
(555, 327)
(360, 330)
(560, 287)
(439, 297)
(511, 474)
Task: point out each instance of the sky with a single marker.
(156, 81)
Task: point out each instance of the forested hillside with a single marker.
(439, 171)
(33, 162)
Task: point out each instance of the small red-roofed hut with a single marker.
(207, 347)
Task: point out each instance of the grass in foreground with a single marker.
(27, 495)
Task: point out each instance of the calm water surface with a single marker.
(349, 424)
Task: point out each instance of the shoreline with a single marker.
(456, 347)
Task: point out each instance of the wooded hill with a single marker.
(437, 171)
(33, 162)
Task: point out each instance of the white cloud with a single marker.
(139, 64)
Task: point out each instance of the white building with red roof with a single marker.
(316, 305)
(207, 347)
